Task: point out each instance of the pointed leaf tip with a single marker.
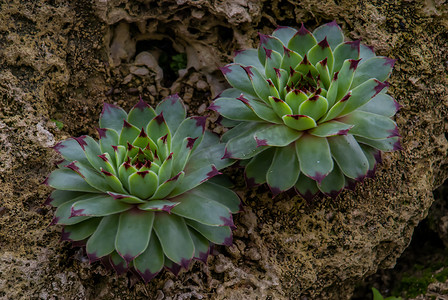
(354, 44)
(324, 43)
(380, 86)
(102, 132)
(191, 142)
(263, 38)
(248, 69)
(318, 177)
(214, 107)
(390, 62)
(74, 167)
(159, 118)
(228, 221)
(275, 191)
(212, 173)
(261, 142)
(225, 70)
(200, 122)
(397, 146)
(81, 141)
(141, 104)
(394, 132)
(228, 241)
(354, 63)
(227, 154)
(302, 31)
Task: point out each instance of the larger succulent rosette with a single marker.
(310, 111)
(139, 196)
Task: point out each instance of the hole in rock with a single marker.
(168, 59)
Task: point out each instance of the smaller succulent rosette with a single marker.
(140, 196)
(308, 110)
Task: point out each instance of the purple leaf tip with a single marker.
(354, 44)
(397, 146)
(102, 132)
(81, 141)
(225, 70)
(126, 124)
(212, 173)
(318, 177)
(147, 276)
(380, 86)
(324, 43)
(261, 142)
(263, 38)
(142, 105)
(275, 191)
(58, 146)
(74, 167)
(346, 97)
(390, 62)
(268, 53)
(108, 108)
(175, 269)
(200, 122)
(227, 154)
(250, 182)
(159, 118)
(332, 24)
(190, 142)
(248, 71)
(354, 63)
(302, 31)
(76, 212)
(214, 107)
(393, 132)
(227, 221)
(242, 99)
(228, 241)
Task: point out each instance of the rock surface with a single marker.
(60, 60)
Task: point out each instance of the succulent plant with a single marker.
(308, 110)
(139, 197)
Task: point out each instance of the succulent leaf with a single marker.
(319, 89)
(129, 195)
(112, 117)
(174, 237)
(134, 232)
(284, 169)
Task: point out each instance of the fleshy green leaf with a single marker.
(277, 135)
(108, 138)
(349, 156)
(347, 50)
(262, 110)
(118, 263)
(150, 262)
(203, 210)
(143, 184)
(174, 237)
(92, 177)
(128, 134)
(272, 67)
(299, 122)
(333, 183)
(59, 197)
(71, 150)
(331, 128)
(370, 126)
(257, 168)
(284, 170)
(92, 150)
(168, 186)
(381, 104)
(290, 59)
(157, 128)
(173, 111)
(237, 77)
(314, 156)
(361, 94)
(321, 51)
(379, 67)
(126, 198)
(234, 109)
(302, 41)
(64, 211)
(219, 194)
(192, 128)
(102, 242)
(306, 187)
(201, 245)
(220, 235)
(141, 114)
(331, 31)
(112, 117)
(81, 230)
(248, 57)
(158, 205)
(244, 146)
(365, 52)
(270, 43)
(193, 177)
(314, 107)
(101, 205)
(68, 180)
(280, 107)
(294, 98)
(390, 144)
(134, 232)
(284, 34)
(345, 77)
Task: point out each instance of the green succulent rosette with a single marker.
(139, 197)
(308, 110)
